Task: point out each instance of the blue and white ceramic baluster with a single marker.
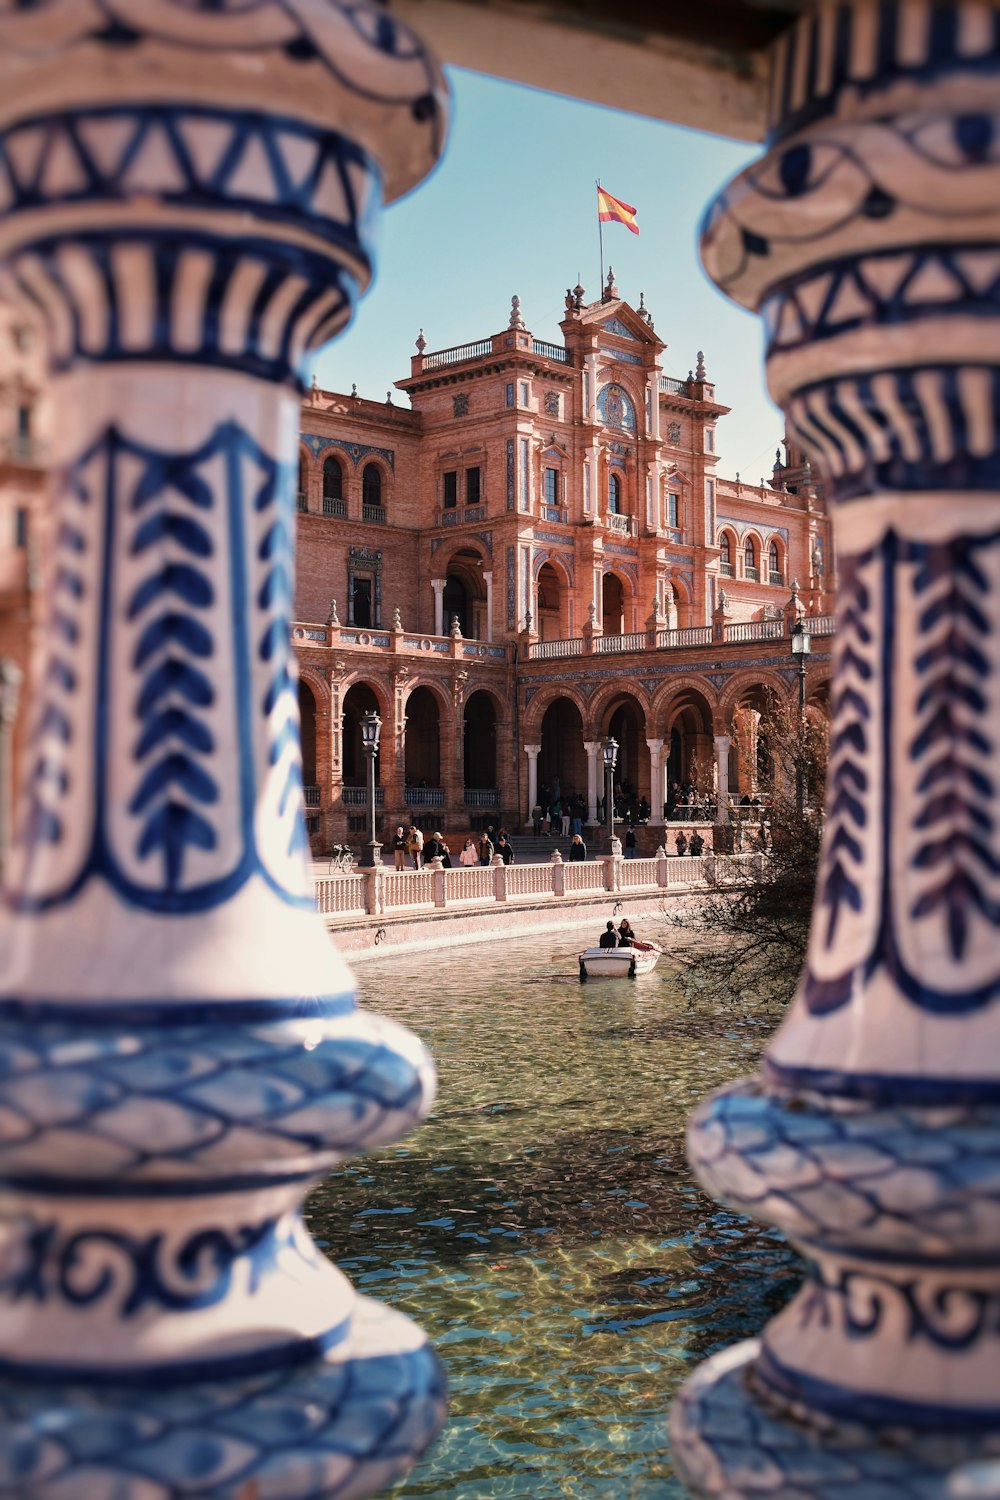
(188, 193)
(869, 238)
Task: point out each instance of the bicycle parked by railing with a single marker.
(341, 859)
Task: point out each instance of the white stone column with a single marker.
(722, 745)
(488, 578)
(595, 770)
(656, 794)
(438, 584)
(532, 752)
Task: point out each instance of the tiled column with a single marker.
(488, 580)
(182, 1053)
(869, 238)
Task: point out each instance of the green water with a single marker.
(543, 1225)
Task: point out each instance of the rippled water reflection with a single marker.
(543, 1225)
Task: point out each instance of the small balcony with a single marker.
(773, 577)
(357, 796)
(423, 796)
(481, 796)
(618, 525)
(727, 570)
(374, 513)
(333, 505)
(752, 573)
(310, 795)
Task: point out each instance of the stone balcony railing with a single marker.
(401, 643)
(384, 892)
(734, 633)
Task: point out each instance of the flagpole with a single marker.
(600, 236)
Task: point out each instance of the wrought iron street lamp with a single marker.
(610, 749)
(371, 730)
(801, 647)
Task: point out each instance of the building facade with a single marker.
(538, 552)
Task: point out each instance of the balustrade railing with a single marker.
(669, 386)
(751, 573)
(357, 796)
(310, 795)
(614, 645)
(551, 351)
(333, 505)
(690, 635)
(820, 624)
(374, 513)
(727, 570)
(382, 891)
(550, 650)
(620, 525)
(458, 353)
(423, 796)
(755, 630)
(474, 796)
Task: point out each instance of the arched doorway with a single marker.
(562, 760)
(626, 723)
(307, 740)
(612, 605)
(553, 621)
(752, 772)
(358, 701)
(465, 594)
(423, 740)
(456, 604)
(690, 747)
(480, 742)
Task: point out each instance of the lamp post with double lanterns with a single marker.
(610, 760)
(801, 647)
(371, 729)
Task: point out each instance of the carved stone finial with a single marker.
(516, 320)
(527, 619)
(592, 613)
(354, 393)
(777, 459)
(643, 310)
(332, 617)
(315, 386)
(795, 589)
(723, 599)
(421, 342)
(700, 373)
(397, 623)
(610, 288)
(456, 629)
(578, 295)
(569, 300)
(388, 398)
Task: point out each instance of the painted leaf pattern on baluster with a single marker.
(280, 704)
(50, 775)
(952, 747)
(849, 781)
(171, 654)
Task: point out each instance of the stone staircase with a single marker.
(531, 851)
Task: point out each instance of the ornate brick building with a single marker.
(538, 552)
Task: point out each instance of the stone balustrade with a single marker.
(382, 891)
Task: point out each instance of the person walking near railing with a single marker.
(680, 842)
(468, 855)
(577, 849)
(485, 849)
(415, 845)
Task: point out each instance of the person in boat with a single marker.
(626, 936)
(609, 937)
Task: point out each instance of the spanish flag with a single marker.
(614, 211)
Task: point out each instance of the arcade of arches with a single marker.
(450, 757)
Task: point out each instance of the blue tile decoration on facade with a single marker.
(869, 239)
(180, 1052)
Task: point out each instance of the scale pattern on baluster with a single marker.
(189, 209)
(868, 237)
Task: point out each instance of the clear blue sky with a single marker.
(512, 209)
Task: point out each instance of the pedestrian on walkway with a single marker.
(399, 848)
(415, 845)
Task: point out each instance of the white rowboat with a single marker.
(618, 963)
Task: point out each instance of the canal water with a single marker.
(543, 1225)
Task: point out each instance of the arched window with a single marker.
(371, 493)
(614, 494)
(749, 558)
(725, 555)
(774, 563)
(303, 502)
(333, 488)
